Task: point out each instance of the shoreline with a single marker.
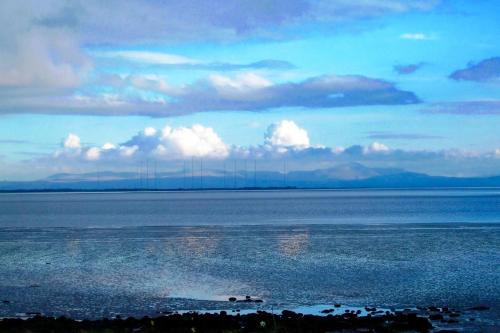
(247, 189)
(337, 318)
(259, 321)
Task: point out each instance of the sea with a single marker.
(94, 255)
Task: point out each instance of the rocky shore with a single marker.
(193, 322)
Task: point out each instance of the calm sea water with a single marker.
(99, 254)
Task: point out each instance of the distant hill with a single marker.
(352, 175)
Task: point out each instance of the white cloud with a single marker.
(150, 131)
(72, 141)
(497, 152)
(128, 151)
(93, 154)
(241, 81)
(415, 36)
(108, 146)
(158, 58)
(376, 147)
(195, 141)
(286, 133)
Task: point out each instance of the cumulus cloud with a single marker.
(376, 147)
(486, 70)
(287, 134)
(197, 141)
(93, 154)
(284, 140)
(72, 141)
(36, 59)
(108, 145)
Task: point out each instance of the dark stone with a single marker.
(326, 311)
(337, 305)
(480, 308)
(232, 299)
(288, 314)
(248, 297)
(436, 316)
(258, 300)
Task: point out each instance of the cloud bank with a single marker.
(246, 91)
(44, 58)
(282, 141)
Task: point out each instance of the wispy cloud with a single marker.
(473, 108)
(400, 136)
(150, 57)
(408, 69)
(175, 61)
(415, 36)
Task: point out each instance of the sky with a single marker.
(92, 85)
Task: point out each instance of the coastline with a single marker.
(337, 318)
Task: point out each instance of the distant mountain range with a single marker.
(353, 175)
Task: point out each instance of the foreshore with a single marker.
(430, 319)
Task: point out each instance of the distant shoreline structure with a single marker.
(249, 189)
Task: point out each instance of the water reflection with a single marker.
(293, 244)
(198, 243)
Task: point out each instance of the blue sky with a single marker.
(415, 83)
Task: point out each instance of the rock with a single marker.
(436, 316)
(248, 297)
(337, 305)
(258, 300)
(232, 299)
(288, 314)
(326, 311)
(480, 308)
